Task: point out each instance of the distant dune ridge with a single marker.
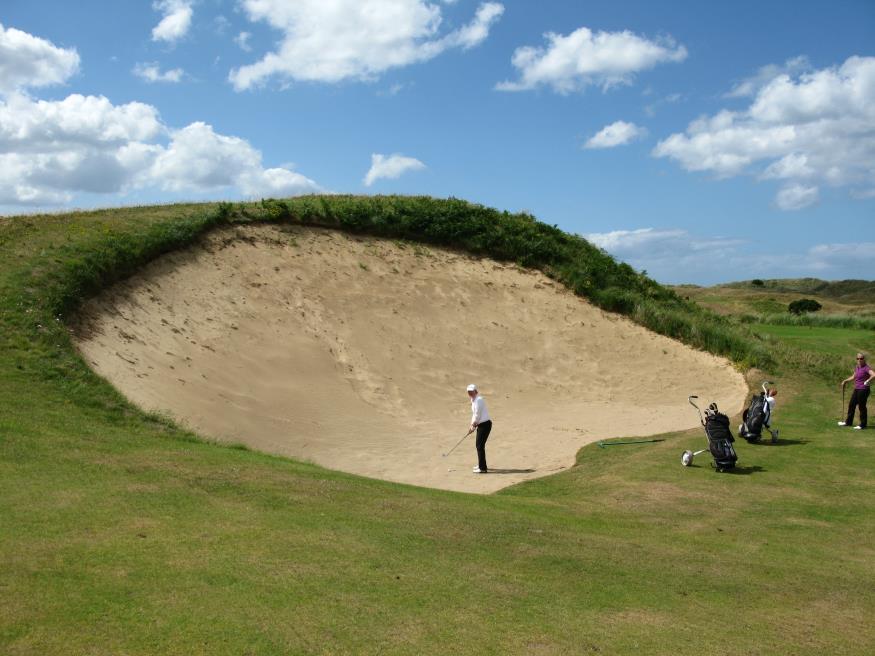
(355, 352)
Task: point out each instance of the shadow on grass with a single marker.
(779, 442)
(742, 471)
(745, 471)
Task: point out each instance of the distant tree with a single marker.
(804, 305)
(756, 282)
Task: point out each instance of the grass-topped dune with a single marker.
(123, 533)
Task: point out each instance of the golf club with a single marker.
(457, 444)
(687, 457)
(690, 400)
(604, 444)
(842, 411)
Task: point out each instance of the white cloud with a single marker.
(665, 254)
(176, 21)
(51, 150)
(796, 197)
(670, 99)
(41, 126)
(583, 58)
(199, 159)
(27, 61)
(221, 24)
(828, 257)
(658, 243)
(152, 73)
(817, 128)
(618, 133)
(750, 86)
(675, 256)
(354, 39)
(391, 167)
(242, 41)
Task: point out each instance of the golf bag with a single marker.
(720, 439)
(754, 418)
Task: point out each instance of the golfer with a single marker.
(770, 403)
(481, 421)
(862, 376)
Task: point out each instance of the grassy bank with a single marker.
(122, 534)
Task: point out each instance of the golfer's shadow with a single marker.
(511, 471)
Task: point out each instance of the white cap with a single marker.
(472, 387)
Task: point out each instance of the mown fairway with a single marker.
(122, 534)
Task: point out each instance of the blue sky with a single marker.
(702, 142)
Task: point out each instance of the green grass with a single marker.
(122, 534)
(841, 343)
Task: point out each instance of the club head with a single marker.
(687, 458)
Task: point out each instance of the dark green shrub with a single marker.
(804, 305)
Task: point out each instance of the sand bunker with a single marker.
(354, 353)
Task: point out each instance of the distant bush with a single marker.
(804, 305)
(756, 282)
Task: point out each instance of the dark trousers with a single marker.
(483, 431)
(858, 398)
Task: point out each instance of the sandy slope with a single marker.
(354, 353)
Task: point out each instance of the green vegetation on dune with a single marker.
(121, 533)
(848, 290)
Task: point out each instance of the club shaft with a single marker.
(457, 444)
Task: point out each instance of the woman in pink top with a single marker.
(862, 376)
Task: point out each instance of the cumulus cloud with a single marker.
(796, 197)
(354, 39)
(584, 58)
(176, 21)
(199, 159)
(152, 73)
(26, 61)
(52, 150)
(618, 133)
(817, 128)
(242, 41)
(750, 86)
(390, 167)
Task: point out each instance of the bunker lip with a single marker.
(354, 353)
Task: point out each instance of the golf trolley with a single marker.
(720, 438)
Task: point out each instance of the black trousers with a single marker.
(483, 431)
(858, 399)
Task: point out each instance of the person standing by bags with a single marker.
(483, 423)
(862, 376)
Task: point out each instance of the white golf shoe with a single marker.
(841, 423)
(477, 470)
(858, 428)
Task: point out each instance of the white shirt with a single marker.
(769, 407)
(479, 413)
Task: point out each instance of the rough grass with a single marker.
(122, 534)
